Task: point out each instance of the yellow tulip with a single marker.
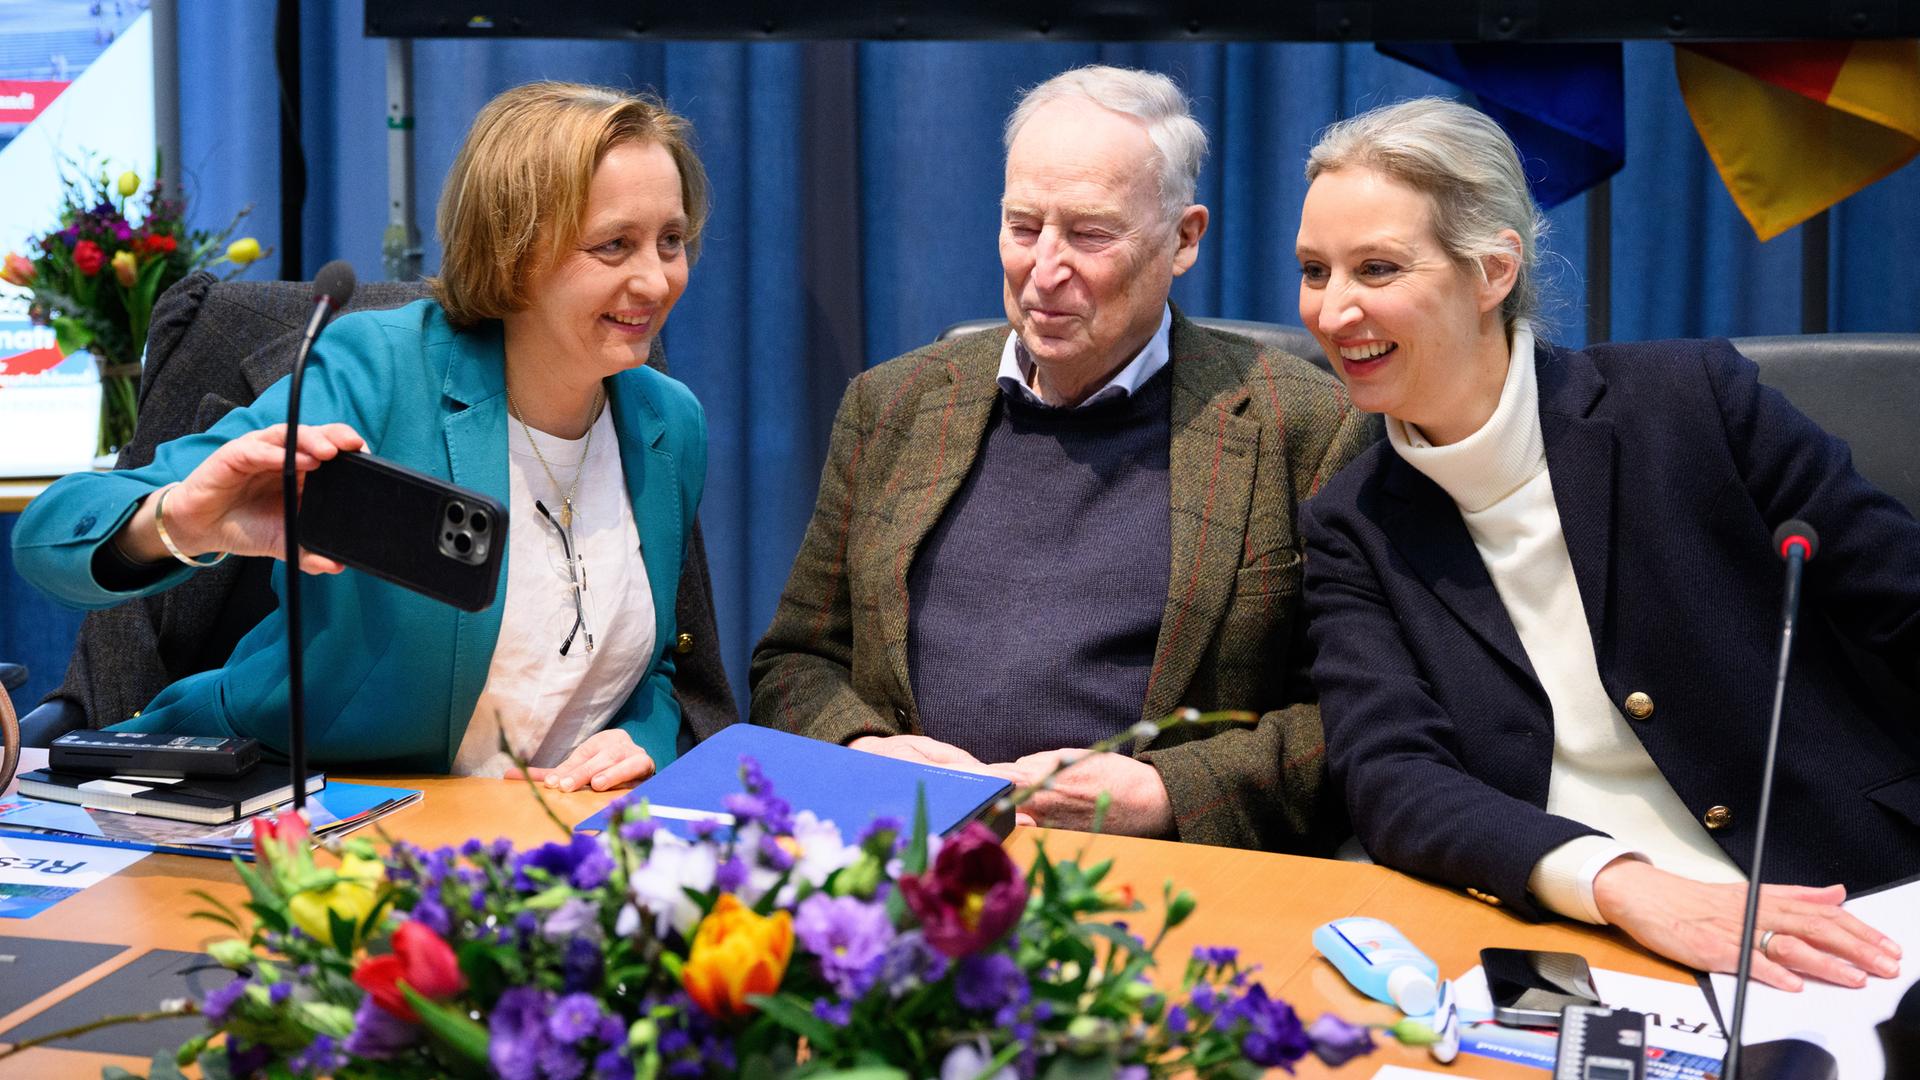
(129, 183)
(736, 953)
(352, 898)
(243, 251)
(125, 268)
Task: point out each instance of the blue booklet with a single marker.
(338, 809)
(847, 787)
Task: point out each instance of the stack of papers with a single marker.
(339, 809)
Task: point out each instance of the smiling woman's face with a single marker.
(1413, 332)
(602, 301)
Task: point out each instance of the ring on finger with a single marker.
(1766, 939)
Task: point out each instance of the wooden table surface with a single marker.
(1264, 905)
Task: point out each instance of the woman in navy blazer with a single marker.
(1546, 607)
(569, 219)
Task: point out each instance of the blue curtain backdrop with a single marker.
(914, 132)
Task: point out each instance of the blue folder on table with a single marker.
(847, 787)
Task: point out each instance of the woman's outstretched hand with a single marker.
(231, 502)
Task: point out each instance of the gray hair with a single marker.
(1466, 164)
(1179, 142)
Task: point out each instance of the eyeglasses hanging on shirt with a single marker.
(576, 581)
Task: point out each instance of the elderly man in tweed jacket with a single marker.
(1027, 542)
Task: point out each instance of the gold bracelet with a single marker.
(160, 526)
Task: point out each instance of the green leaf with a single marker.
(163, 1067)
(115, 1072)
(864, 1072)
(454, 1029)
(787, 1011)
(70, 335)
(231, 953)
(343, 931)
(325, 1018)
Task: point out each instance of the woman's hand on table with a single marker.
(605, 760)
(231, 502)
(1698, 924)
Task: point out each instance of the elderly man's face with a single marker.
(1088, 254)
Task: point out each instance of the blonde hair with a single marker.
(518, 187)
(1466, 164)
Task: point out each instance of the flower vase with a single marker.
(119, 404)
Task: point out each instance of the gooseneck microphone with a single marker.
(332, 288)
(1796, 542)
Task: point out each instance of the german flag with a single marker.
(1795, 127)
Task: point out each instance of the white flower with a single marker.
(968, 1059)
(661, 884)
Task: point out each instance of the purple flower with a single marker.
(910, 962)
(561, 1063)
(770, 811)
(1177, 1020)
(612, 1065)
(1131, 1072)
(580, 965)
(837, 1013)
(517, 1032)
(773, 854)
(278, 993)
(322, 1057)
(971, 897)
(639, 831)
(582, 862)
(220, 1001)
(1216, 955)
(989, 981)
(432, 914)
(244, 1060)
(377, 1033)
(575, 1018)
(574, 917)
(849, 936)
(1273, 1036)
(886, 832)
(730, 875)
(1336, 1042)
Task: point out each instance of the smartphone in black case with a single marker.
(403, 526)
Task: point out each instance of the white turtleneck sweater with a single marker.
(1601, 775)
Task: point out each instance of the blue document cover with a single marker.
(847, 787)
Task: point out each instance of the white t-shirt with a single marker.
(549, 703)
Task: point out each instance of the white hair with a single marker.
(1179, 142)
(1466, 164)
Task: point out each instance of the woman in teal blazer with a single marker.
(551, 294)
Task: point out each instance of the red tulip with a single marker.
(160, 244)
(420, 961)
(88, 258)
(973, 895)
(427, 962)
(284, 831)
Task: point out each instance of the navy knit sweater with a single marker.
(1035, 603)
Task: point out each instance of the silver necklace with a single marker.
(566, 500)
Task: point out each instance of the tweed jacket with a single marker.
(1254, 431)
(393, 676)
(1671, 465)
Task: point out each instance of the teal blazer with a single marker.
(391, 676)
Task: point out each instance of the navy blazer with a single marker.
(1671, 466)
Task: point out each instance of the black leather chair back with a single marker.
(1865, 388)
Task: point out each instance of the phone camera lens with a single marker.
(478, 521)
(462, 543)
(456, 513)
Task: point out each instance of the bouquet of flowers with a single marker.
(776, 948)
(96, 277)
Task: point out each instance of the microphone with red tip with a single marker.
(1795, 542)
(1796, 535)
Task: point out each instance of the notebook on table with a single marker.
(203, 801)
